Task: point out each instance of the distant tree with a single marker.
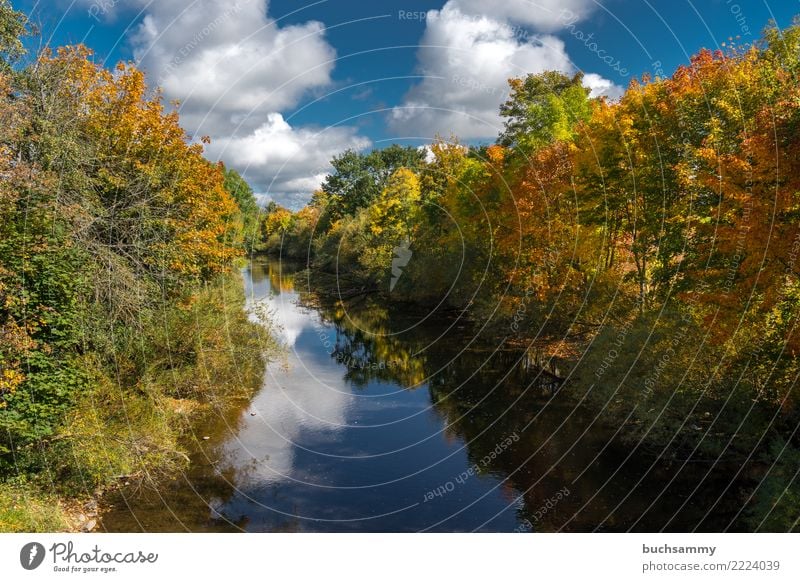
(277, 222)
(351, 185)
(443, 172)
(392, 219)
(395, 210)
(383, 163)
(357, 178)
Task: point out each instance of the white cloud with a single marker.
(601, 86)
(468, 52)
(228, 62)
(284, 162)
(234, 70)
(543, 15)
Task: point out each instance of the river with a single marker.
(394, 419)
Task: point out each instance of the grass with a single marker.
(25, 509)
(186, 359)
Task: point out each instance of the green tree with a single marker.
(243, 195)
(13, 26)
(358, 178)
(543, 108)
(351, 185)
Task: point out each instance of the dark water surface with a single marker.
(393, 419)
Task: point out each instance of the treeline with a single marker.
(652, 242)
(119, 309)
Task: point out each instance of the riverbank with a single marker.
(121, 312)
(132, 431)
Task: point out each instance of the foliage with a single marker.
(656, 235)
(13, 25)
(249, 213)
(358, 178)
(542, 109)
(117, 300)
(391, 222)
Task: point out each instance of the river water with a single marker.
(394, 419)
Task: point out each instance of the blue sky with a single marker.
(281, 86)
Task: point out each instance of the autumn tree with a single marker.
(357, 179)
(154, 204)
(107, 210)
(392, 219)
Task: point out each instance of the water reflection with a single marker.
(382, 418)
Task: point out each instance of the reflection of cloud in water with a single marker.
(288, 318)
(266, 289)
(309, 396)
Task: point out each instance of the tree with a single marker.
(358, 178)
(277, 222)
(13, 26)
(151, 203)
(383, 163)
(395, 211)
(441, 173)
(242, 193)
(391, 220)
(543, 108)
(41, 284)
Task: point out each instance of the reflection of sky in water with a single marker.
(307, 397)
(320, 448)
(305, 391)
(288, 319)
(332, 449)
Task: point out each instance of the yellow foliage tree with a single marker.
(161, 205)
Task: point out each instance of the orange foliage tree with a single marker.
(156, 202)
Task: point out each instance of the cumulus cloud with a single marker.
(227, 61)
(469, 51)
(287, 162)
(235, 70)
(602, 87)
(543, 15)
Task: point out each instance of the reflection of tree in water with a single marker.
(484, 395)
(560, 445)
(281, 275)
(367, 346)
(485, 410)
(281, 278)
